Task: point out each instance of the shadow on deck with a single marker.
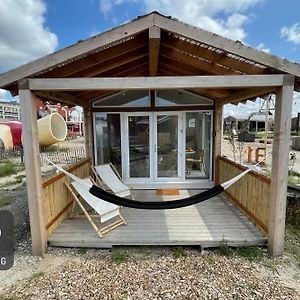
(205, 224)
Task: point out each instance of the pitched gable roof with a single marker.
(126, 50)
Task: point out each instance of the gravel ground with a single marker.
(146, 273)
(194, 275)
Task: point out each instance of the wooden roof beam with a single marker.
(180, 69)
(126, 70)
(222, 59)
(140, 83)
(154, 44)
(61, 97)
(195, 62)
(113, 63)
(99, 57)
(246, 94)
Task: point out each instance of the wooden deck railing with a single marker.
(57, 201)
(251, 193)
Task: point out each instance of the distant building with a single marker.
(233, 123)
(10, 111)
(257, 121)
(295, 126)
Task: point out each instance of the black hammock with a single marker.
(106, 196)
(120, 201)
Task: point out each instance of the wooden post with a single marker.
(266, 126)
(218, 135)
(280, 158)
(88, 133)
(33, 171)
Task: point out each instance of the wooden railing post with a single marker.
(88, 133)
(280, 159)
(218, 134)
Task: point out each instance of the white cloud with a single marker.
(291, 34)
(244, 110)
(263, 47)
(5, 96)
(23, 35)
(107, 5)
(201, 13)
(296, 104)
(2, 93)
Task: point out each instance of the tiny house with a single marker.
(153, 92)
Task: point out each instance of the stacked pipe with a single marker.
(51, 128)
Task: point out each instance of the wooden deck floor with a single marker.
(205, 224)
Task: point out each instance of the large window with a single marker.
(179, 97)
(139, 155)
(108, 139)
(125, 99)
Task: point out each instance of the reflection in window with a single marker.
(139, 158)
(108, 139)
(167, 146)
(179, 97)
(125, 98)
(198, 139)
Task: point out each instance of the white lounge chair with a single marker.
(105, 210)
(108, 175)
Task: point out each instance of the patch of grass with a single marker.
(7, 169)
(270, 264)
(224, 248)
(209, 259)
(37, 275)
(293, 179)
(52, 149)
(82, 251)
(250, 253)
(118, 256)
(178, 252)
(19, 178)
(5, 200)
(124, 297)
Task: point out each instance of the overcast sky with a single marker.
(33, 28)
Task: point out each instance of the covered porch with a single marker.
(152, 54)
(206, 224)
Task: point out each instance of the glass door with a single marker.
(137, 133)
(168, 152)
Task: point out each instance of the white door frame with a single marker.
(125, 147)
(179, 147)
(153, 181)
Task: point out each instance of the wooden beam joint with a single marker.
(154, 45)
(23, 84)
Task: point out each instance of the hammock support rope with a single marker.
(198, 198)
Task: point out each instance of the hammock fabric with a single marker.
(100, 193)
(111, 198)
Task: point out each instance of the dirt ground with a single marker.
(241, 153)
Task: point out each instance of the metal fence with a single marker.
(62, 156)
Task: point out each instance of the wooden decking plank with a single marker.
(205, 224)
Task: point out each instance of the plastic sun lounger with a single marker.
(105, 210)
(108, 175)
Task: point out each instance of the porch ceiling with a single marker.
(159, 52)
